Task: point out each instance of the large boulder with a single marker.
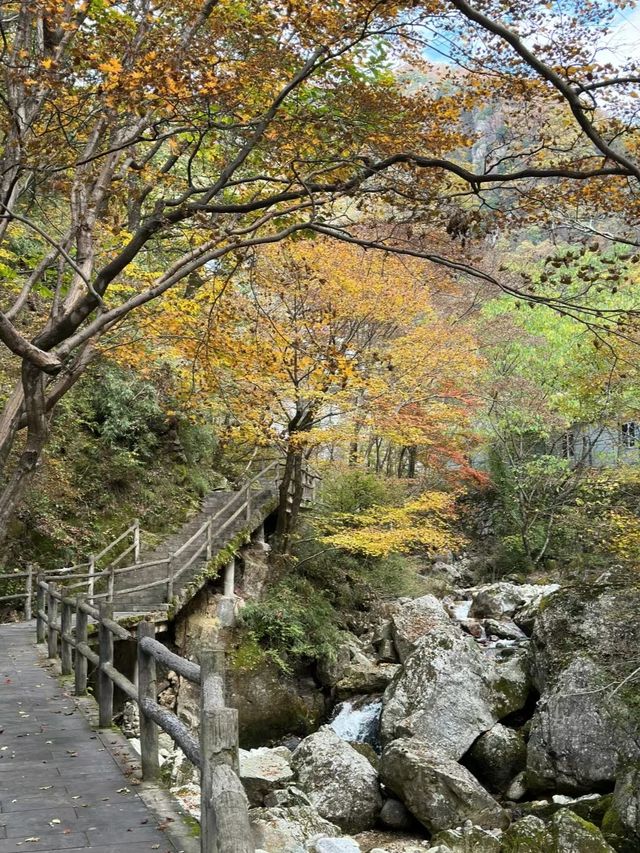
(363, 676)
(280, 830)
(567, 833)
(264, 770)
(579, 732)
(573, 834)
(528, 835)
(621, 824)
(439, 792)
(340, 782)
(497, 756)
(468, 839)
(586, 726)
(450, 691)
(503, 599)
(416, 619)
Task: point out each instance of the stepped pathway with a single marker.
(222, 505)
(60, 787)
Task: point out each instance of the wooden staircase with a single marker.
(165, 573)
(168, 575)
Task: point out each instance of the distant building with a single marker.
(601, 446)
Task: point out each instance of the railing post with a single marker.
(136, 540)
(65, 645)
(147, 690)
(105, 685)
(80, 662)
(52, 615)
(29, 591)
(111, 582)
(170, 574)
(40, 606)
(224, 822)
(91, 583)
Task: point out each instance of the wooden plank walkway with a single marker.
(60, 786)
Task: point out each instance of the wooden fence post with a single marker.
(170, 573)
(65, 645)
(82, 636)
(147, 690)
(136, 540)
(29, 591)
(52, 615)
(91, 582)
(224, 821)
(105, 685)
(111, 582)
(209, 542)
(40, 606)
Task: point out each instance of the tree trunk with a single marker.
(33, 385)
(291, 494)
(413, 458)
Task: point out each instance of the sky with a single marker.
(621, 45)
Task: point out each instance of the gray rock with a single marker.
(579, 732)
(497, 600)
(590, 807)
(341, 784)
(286, 797)
(468, 839)
(333, 845)
(439, 792)
(584, 643)
(517, 787)
(331, 669)
(450, 692)
(395, 815)
(528, 835)
(497, 756)
(573, 834)
(504, 630)
(416, 619)
(597, 621)
(364, 676)
(264, 770)
(281, 830)
(621, 823)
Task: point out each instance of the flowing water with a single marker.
(358, 721)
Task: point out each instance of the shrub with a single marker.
(294, 623)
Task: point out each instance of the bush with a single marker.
(294, 624)
(356, 490)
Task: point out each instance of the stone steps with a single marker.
(155, 597)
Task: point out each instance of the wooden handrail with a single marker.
(26, 594)
(203, 538)
(224, 822)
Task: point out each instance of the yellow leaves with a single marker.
(422, 522)
(110, 66)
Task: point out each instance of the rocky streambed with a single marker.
(503, 719)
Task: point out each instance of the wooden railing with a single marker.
(97, 581)
(25, 594)
(224, 822)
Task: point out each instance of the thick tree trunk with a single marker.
(291, 494)
(33, 385)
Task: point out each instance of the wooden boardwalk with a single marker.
(60, 785)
